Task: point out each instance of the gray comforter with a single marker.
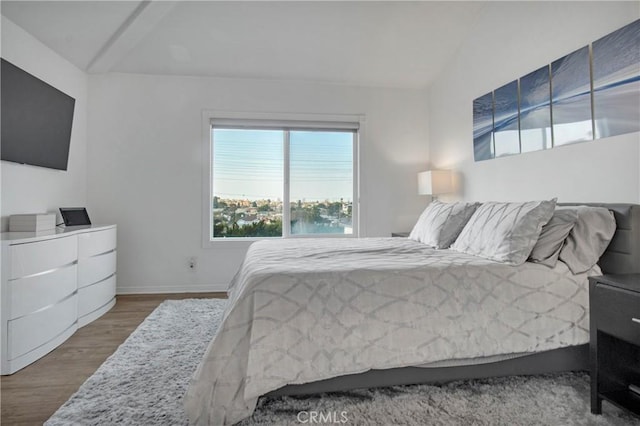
(303, 310)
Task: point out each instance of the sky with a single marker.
(249, 164)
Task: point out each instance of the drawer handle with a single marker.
(49, 271)
(636, 320)
(103, 253)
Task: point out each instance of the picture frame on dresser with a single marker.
(52, 283)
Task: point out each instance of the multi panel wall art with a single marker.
(588, 94)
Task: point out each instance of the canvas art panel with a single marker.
(505, 122)
(616, 82)
(483, 128)
(571, 98)
(535, 110)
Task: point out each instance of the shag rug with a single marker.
(144, 381)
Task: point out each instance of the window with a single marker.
(271, 179)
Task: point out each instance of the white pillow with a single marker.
(505, 232)
(440, 223)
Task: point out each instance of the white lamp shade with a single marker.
(434, 182)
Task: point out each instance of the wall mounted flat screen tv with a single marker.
(36, 120)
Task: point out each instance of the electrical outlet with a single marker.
(192, 263)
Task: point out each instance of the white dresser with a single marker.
(52, 283)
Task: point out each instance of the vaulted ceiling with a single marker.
(384, 44)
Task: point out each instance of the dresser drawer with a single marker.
(95, 296)
(96, 268)
(28, 295)
(41, 256)
(96, 242)
(617, 312)
(34, 330)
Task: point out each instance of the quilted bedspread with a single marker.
(303, 310)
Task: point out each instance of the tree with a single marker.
(218, 227)
(334, 209)
(313, 215)
(258, 229)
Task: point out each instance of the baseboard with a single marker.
(190, 288)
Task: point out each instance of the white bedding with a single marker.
(303, 310)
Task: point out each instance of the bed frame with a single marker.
(621, 257)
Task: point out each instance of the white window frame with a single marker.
(276, 120)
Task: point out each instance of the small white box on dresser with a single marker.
(32, 222)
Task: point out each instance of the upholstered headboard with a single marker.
(623, 254)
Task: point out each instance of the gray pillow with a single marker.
(440, 223)
(589, 238)
(551, 240)
(504, 232)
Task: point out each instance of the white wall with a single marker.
(144, 162)
(30, 189)
(511, 39)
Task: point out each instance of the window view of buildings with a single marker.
(263, 218)
(250, 191)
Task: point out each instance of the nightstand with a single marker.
(400, 234)
(614, 303)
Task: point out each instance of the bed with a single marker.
(310, 316)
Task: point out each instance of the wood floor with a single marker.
(31, 395)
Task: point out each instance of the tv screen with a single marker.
(36, 120)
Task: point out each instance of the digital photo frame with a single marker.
(74, 216)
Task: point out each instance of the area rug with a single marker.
(144, 381)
